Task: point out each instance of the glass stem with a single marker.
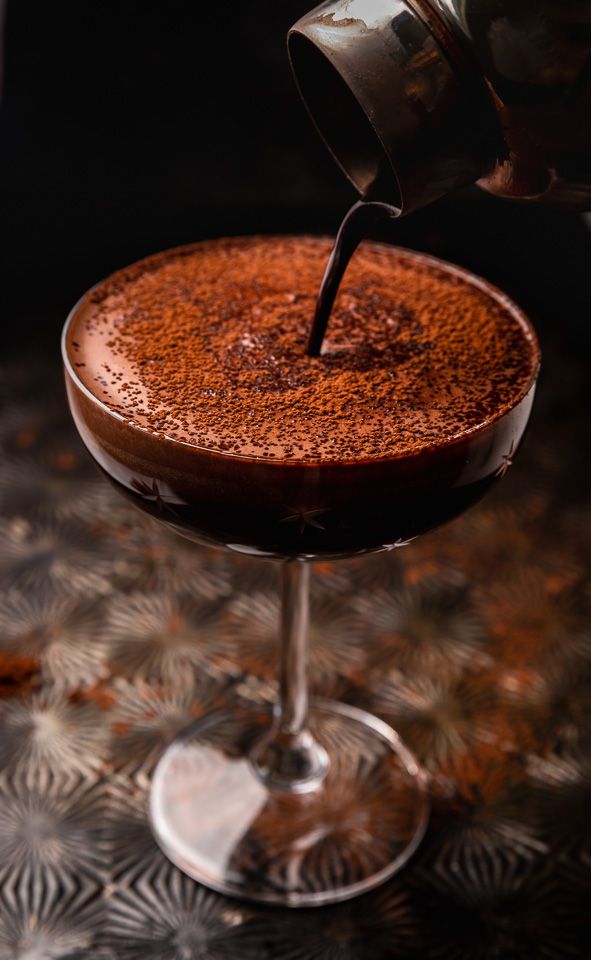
(293, 649)
(289, 757)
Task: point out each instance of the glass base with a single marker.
(216, 818)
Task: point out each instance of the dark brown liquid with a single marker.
(354, 228)
(369, 507)
(424, 422)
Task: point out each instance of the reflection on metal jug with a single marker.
(415, 98)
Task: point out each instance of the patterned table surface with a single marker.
(474, 642)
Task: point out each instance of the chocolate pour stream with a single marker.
(353, 229)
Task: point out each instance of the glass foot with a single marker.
(216, 818)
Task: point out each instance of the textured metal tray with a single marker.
(474, 642)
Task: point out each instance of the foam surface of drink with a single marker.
(206, 345)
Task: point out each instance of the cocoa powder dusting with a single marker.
(206, 345)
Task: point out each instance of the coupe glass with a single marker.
(306, 804)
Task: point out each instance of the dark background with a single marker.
(128, 127)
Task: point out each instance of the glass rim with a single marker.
(473, 279)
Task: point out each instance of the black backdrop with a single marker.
(128, 126)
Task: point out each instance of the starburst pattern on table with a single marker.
(263, 576)
(437, 716)
(336, 647)
(64, 637)
(53, 731)
(562, 788)
(505, 872)
(373, 572)
(549, 618)
(501, 912)
(54, 556)
(551, 705)
(152, 558)
(485, 817)
(427, 564)
(52, 827)
(428, 629)
(490, 541)
(165, 915)
(130, 841)
(348, 833)
(45, 921)
(382, 924)
(167, 636)
(148, 716)
(33, 489)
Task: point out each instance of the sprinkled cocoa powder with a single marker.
(207, 345)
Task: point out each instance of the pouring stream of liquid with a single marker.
(360, 218)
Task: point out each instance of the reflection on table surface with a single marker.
(474, 643)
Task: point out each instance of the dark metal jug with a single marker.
(417, 97)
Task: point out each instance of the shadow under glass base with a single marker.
(215, 818)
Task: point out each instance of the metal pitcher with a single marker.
(415, 98)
